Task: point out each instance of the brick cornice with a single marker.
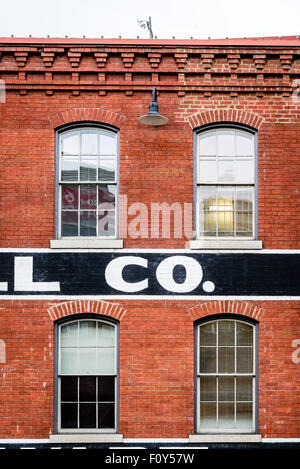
(101, 115)
(226, 307)
(225, 115)
(69, 308)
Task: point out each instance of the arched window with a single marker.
(225, 178)
(87, 180)
(226, 376)
(87, 376)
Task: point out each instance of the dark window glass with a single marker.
(87, 415)
(106, 388)
(87, 389)
(69, 388)
(106, 417)
(69, 415)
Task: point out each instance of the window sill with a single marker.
(86, 243)
(224, 244)
(87, 438)
(229, 438)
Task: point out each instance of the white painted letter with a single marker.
(193, 269)
(24, 277)
(114, 270)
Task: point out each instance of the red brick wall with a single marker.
(47, 87)
(156, 366)
(156, 164)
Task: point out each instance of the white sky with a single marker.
(180, 18)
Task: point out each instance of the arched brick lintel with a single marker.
(68, 308)
(215, 116)
(100, 115)
(226, 307)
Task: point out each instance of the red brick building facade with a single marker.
(243, 91)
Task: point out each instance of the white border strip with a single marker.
(160, 251)
(148, 297)
(149, 440)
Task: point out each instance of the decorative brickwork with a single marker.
(104, 308)
(226, 307)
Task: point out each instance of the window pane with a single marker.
(226, 143)
(208, 170)
(107, 143)
(208, 415)
(244, 388)
(87, 389)
(106, 335)
(225, 206)
(207, 360)
(87, 333)
(88, 223)
(226, 359)
(208, 144)
(244, 334)
(226, 388)
(88, 197)
(226, 170)
(106, 360)
(87, 415)
(107, 195)
(69, 335)
(69, 197)
(88, 168)
(244, 360)
(70, 143)
(69, 361)
(226, 415)
(208, 388)
(69, 168)
(69, 223)
(87, 360)
(244, 170)
(106, 416)
(68, 415)
(226, 331)
(89, 142)
(106, 223)
(106, 388)
(68, 388)
(244, 144)
(244, 415)
(208, 334)
(106, 169)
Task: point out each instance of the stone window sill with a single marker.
(224, 244)
(86, 438)
(225, 438)
(86, 243)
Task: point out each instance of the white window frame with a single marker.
(59, 375)
(208, 430)
(82, 241)
(225, 240)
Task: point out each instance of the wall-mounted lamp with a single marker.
(153, 117)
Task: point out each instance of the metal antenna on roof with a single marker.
(146, 24)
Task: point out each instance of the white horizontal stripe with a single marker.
(148, 297)
(144, 440)
(155, 440)
(159, 251)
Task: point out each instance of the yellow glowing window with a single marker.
(226, 183)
